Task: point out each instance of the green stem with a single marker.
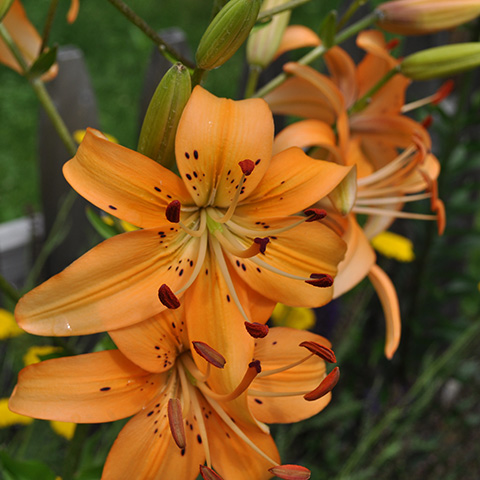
(252, 81)
(363, 102)
(48, 24)
(470, 336)
(197, 76)
(12, 46)
(72, 458)
(319, 51)
(351, 10)
(8, 290)
(52, 241)
(267, 14)
(150, 32)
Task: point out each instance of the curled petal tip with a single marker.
(256, 330)
(327, 385)
(172, 211)
(209, 354)
(167, 297)
(291, 472)
(322, 280)
(320, 350)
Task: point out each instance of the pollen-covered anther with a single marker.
(393, 43)
(290, 472)
(315, 214)
(175, 420)
(167, 297)
(256, 365)
(320, 351)
(262, 242)
(209, 354)
(172, 212)
(327, 385)
(256, 330)
(427, 122)
(208, 474)
(247, 166)
(443, 92)
(322, 280)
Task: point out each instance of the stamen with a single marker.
(185, 391)
(253, 370)
(256, 330)
(442, 93)
(209, 354)
(263, 242)
(240, 230)
(427, 122)
(197, 375)
(201, 228)
(201, 426)
(175, 420)
(291, 472)
(320, 350)
(322, 280)
(167, 297)
(266, 373)
(393, 213)
(209, 474)
(326, 386)
(172, 212)
(393, 43)
(315, 214)
(247, 166)
(393, 200)
(225, 240)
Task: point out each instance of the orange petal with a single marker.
(154, 343)
(95, 387)
(293, 182)
(278, 349)
(306, 249)
(297, 36)
(113, 285)
(342, 69)
(359, 259)
(213, 136)
(145, 449)
(391, 309)
(123, 182)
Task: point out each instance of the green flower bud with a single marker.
(228, 30)
(157, 137)
(263, 42)
(441, 61)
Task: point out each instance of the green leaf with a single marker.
(12, 469)
(43, 63)
(328, 29)
(4, 6)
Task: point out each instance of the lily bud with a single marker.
(264, 42)
(157, 137)
(417, 17)
(228, 30)
(441, 61)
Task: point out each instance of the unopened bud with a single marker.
(264, 41)
(157, 138)
(417, 17)
(227, 32)
(441, 61)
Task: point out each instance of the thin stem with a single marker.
(319, 51)
(267, 14)
(48, 24)
(72, 458)
(363, 102)
(197, 76)
(252, 81)
(150, 32)
(348, 14)
(8, 290)
(12, 46)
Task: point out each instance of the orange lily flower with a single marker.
(233, 208)
(25, 37)
(181, 419)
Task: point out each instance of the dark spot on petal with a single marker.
(258, 401)
(199, 439)
(258, 161)
(189, 176)
(105, 389)
(228, 298)
(150, 413)
(112, 207)
(195, 154)
(187, 155)
(158, 189)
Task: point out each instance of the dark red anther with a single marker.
(326, 386)
(291, 472)
(247, 166)
(256, 330)
(443, 92)
(393, 43)
(320, 350)
(208, 474)
(209, 354)
(255, 364)
(315, 214)
(167, 297)
(322, 280)
(172, 211)
(175, 420)
(262, 242)
(427, 122)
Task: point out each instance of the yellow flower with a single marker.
(79, 135)
(9, 418)
(64, 429)
(34, 353)
(8, 325)
(394, 246)
(293, 317)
